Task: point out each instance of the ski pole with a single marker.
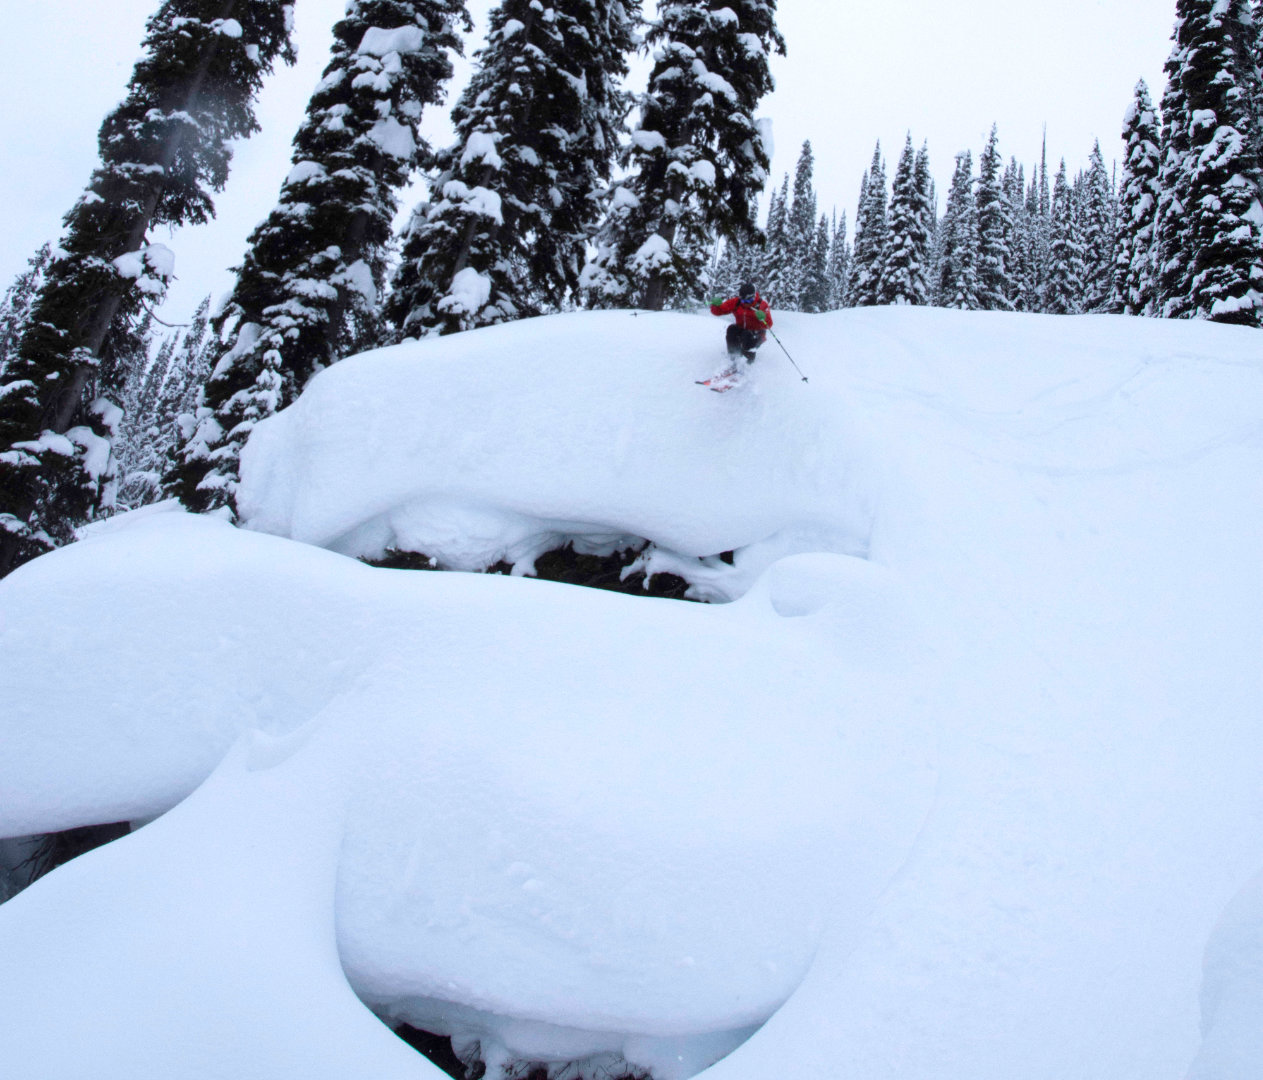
(786, 352)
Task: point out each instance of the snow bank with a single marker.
(574, 824)
(201, 946)
(567, 813)
(1232, 992)
(510, 441)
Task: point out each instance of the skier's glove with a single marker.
(715, 301)
(761, 317)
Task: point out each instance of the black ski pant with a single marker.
(744, 341)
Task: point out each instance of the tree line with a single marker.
(562, 188)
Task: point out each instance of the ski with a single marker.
(722, 382)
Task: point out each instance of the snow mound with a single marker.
(613, 833)
(503, 443)
(568, 822)
(1232, 992)
(200, 946)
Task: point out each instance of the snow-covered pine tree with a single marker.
(995, 228)
(1172, 240)
(15, 307)
(1134, 287)
(697, 159)
(870, 235)
(728, 268)
(1039, 209)
(138, 485)
(904, 272)
(1014, 187)
(1213, 213)
(928, 192)
(164, 151)
(152, 434)
(1065, 278)
(307, 291)
(1098, 218)
(815, 287)
(773, 260)
(504, 232)
(839, 264)
(800, 232)
(956, 275)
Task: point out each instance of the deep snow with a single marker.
(968, 782)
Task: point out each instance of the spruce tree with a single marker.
(697, 160)
(15, 308)
(164, 151)
(800, 229)
(956, 280)
(504, 232)
(904, 271)
(772, 265)
(815, 288)
(1065, 279)
(153, 432)
(1040, 206)
(1173, 238)
(1134, 286)
(1019, 239)
(995, 226)
(307, 291)
(1098, 225)
(839, 265)
(870, 235)
(1212, 230)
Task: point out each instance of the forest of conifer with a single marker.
(564, 188)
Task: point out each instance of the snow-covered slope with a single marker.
(963, 786)
(584, 428)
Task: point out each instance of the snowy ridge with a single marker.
(581, 428)
(981, 803)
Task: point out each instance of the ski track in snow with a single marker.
(1068, 512)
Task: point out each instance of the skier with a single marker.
(753, 318)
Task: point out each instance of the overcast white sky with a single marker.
(856, 72)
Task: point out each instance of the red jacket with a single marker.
(745, 313)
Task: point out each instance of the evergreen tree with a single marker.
(504, 231)
(138, 485)
(772, 273)
(1019, 239)
(152, 433)
(839, 265)
(870, 235)
(800, 228)
(1173, 237)
(1211, 230)
(1065, 280)
(307, 291)
(15, 308)
(995, 226)
(164, 150)
(904, 272)
(815, 288)
(956, 275)
(1040, 208)
(1098, 225)
(697, 160)
(1134, 287)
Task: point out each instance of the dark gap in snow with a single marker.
(27, 859)
(438, 1049)
(570, 567)
(469, 1065)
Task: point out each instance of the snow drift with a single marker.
(963, 783)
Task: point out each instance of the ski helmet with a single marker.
(747, 291)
